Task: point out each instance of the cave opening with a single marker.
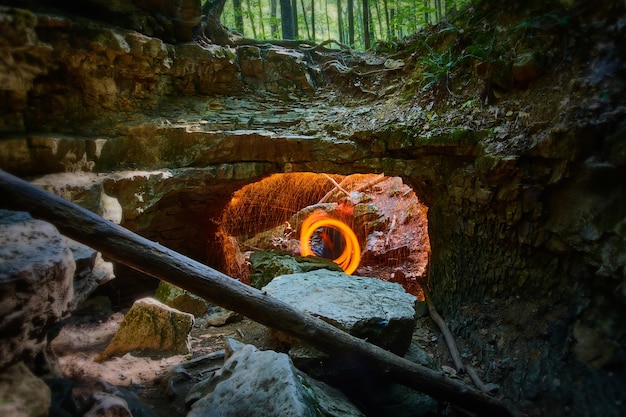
(370, 225)
(223, 227)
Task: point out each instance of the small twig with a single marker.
(331, 192)
(337, 185)
(378, 178)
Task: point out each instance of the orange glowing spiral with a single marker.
(351, 255)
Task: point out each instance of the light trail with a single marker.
(350, 257)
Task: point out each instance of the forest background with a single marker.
(360, 24)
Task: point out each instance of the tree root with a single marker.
(450, 342)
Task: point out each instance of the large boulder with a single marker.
(152, 327)
(36, 285)
(264, 383)
(379, 311)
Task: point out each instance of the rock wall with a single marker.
(65, 73)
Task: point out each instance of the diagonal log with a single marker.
(123, 246)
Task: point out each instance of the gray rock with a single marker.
(151, 326)
(264, 383)
(36, 271)
(22, 393)
(381, 312)
(91, 271)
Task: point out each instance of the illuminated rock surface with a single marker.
(368, 308)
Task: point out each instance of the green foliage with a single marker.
(390, 20)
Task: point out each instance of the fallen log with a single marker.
(123, 246)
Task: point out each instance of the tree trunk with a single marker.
(273, 19)
(294, 11)
(121, 245)
(260, 17)
(238, 12)
(366, 25)
(313, 37)
(351, 23)
(327, 20)
(212, 27)
(286, 19)
(387, 20)
(251, 17)
(340, 22)
(306, 20)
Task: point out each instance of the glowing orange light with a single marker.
(351, 255)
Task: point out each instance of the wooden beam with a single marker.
(125, 247)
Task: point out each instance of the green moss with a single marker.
(23, 18)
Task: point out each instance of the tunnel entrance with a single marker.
(222, 228)
(386, 217)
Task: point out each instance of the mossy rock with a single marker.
(180, 299)
(270, 264)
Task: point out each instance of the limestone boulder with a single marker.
(379, 311)
(36, 284)
(264, 383)
(180, 299)
(22, 393)
(152, 327)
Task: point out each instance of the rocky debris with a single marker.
(22, 394)
(111, 401)
(152, 327)
(36, 272)
(381, 312)
(255, 382)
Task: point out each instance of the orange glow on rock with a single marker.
(350, 257)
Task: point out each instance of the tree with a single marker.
(294, 9)
(273, 19)
(366, 25)
(351, 22)
(313, 20)
(251, 17)
(286, 19)
(340, 22)
(211, 26)
(238, 12)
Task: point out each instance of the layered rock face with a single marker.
(526, 214)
